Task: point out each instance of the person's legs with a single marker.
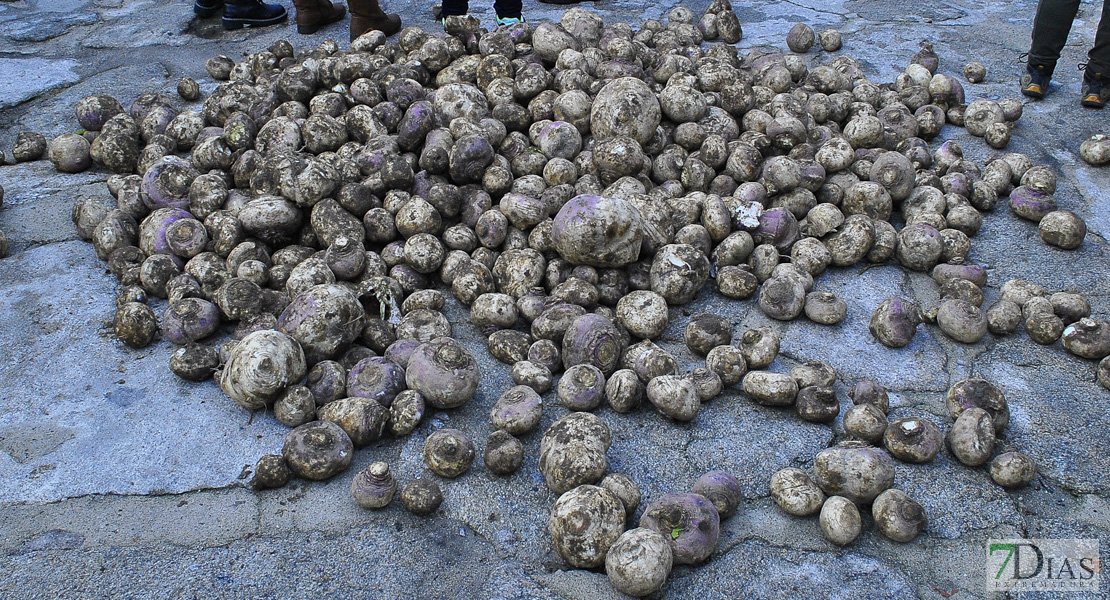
(1050, 32)
(1051, 26)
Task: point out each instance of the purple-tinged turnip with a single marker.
(689, 522)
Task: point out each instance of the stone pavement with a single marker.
(119, 480)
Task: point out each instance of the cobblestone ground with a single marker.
(119, 480)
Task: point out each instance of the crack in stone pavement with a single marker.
(151, 494)
(814, 9)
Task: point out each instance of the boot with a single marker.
(314, 14)
(367, 15)
(204, 9)
(1095, 91)
(252, 13)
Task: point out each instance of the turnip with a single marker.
(689, 522)
(259, 367)
(444, 373)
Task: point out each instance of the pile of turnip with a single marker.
(860, 470)
(568, 183)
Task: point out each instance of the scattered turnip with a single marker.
(374, 486)
(504, 454)
(585, 522)
(971, 438)
(444, 373)
(1087, 338)
(722, 489)
(295, 407)
(572, 451)
(898, 516)
(194, 362)
(448, 453)
(840, 520)
(421, 497)
(592, 339)
(796, 493)
(135, 324)
(260, 367)
(979, 393)
(639, 562)
(800, 38)
(975, 72)
(706, 331)
(28, 146)
(829, 40)
(363, 419)
(1063, 229)
(855, 470)
(582, 387)
(406, 412)
(895, 322)
(317, 450)
(1094, 150)
(1012, 469)
(689, 522)
(913, 439)
(866, 422)
(69, 153)
(1070, 306)
(533, 375)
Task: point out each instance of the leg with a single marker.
(508, 9)
(367, 15)
(314, 14)
(1099, 56)
(453, 8)
(1050, 31)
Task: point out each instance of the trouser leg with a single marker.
(454, 7)
(1098, 59)
(510, 9)
(1050, 31)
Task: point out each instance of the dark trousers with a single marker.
(507, 9)
(1050, 33)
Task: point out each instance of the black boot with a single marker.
(207, 8)
(252, 13)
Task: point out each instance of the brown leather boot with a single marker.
(367, 15)
(314, 14)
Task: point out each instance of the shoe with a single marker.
(1035, 81)
(314, 14)
(367, 15)
(204, 9)
(1095, 94)
(252, 13)
(506, 21)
